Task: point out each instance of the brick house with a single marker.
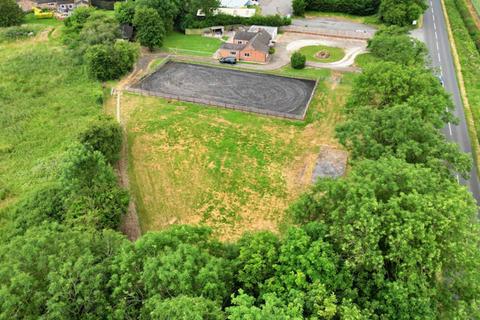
(248, 46)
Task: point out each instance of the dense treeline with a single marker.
(469, 22)
(395, 239)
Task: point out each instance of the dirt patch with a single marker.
(323, 54)
(331, 163)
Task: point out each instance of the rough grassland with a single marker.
(230, 170)
(45, 100)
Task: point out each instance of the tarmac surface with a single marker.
(249, 91)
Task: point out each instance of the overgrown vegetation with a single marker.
(469, 22)
(469, 59)
(10, 13)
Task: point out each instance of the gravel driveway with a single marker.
(281, 7)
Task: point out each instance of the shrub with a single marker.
(298, 60)
(15, 33)
(298, 7)
(104, 135)
(271, 50)
(107, 62)
(10, 13)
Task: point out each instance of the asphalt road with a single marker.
(271, 7)
(436, 38)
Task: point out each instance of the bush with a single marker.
(107, 62)
(298, 60)
(150, 27)
(15, 33)
(125, 11)
(104, 135)
(298, 7)
(358, 7)
(271, 50)
(10, 13)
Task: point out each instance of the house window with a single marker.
(70, 6)
(233, 52)
(246, 54)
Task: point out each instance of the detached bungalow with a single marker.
(248, 46)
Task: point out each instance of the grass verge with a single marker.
(467, 64)
(369, 20)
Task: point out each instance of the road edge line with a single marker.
(463, 92)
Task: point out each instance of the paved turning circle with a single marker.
(257, 92)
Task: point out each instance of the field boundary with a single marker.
(230, 106)
(463, 92)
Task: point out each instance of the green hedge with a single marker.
(225, 20)
(469, 59)
(358, 7)
(469, 22)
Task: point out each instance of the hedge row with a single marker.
(469, 22)
(225, 20)
(357, 7)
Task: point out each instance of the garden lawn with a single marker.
(45, 101)
(191, 44)
(310, 52)
(230, 170)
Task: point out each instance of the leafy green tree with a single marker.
(150, 29)
(298, 7)
(257, 253)
(393, 44)
(107, 62)
(75, 22)
(400, 131)
(409, 236)
(182, 308)
(167, 11)
(297, 60)
(54, 272)
(104, 135)
(99, 28)
(10, 13)
(401, 12)
(92, 196)
(125, 11)
(386, 84)
(182, 260)
(273, 309)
